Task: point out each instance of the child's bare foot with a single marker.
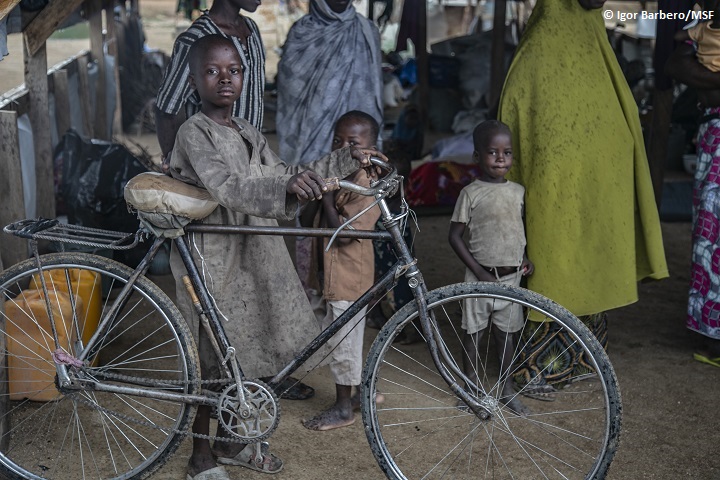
(334, 417)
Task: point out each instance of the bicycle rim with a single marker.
(422, 430)
(47, 434)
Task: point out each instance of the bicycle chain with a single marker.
(122, 416)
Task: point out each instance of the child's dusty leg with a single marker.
(505, 344)
(341, 414)
(226, 449)
(471, 357)
(202, 457)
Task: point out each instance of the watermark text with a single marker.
(688, 16)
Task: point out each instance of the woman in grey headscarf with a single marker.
(331, 64)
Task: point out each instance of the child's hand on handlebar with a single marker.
(307, 185)
(362, 155)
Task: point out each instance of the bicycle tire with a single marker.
(420, 430)
(48, 434)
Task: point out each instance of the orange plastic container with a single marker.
(30, 342)
(86, 285)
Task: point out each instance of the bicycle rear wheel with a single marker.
(421, 430)
(45, 433)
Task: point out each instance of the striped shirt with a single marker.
(176, 91)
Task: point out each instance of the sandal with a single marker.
(264, 462)
(715, 362)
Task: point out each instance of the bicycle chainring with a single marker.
(256, 419)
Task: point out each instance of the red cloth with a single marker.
(439, 183)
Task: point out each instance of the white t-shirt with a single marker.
(493, 213)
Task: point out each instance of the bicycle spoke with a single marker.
(422, 430)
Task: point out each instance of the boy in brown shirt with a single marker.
(348, 272)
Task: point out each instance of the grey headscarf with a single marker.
(331, 64)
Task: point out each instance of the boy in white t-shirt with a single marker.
(491, 210)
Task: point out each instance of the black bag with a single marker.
(33, 5)
(90, 176)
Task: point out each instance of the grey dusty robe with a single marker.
(251, 277)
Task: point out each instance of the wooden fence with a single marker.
(33, 100)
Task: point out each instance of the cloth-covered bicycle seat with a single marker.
(165, 205)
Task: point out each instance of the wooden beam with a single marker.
(15, 100)
(46, 22)
(658, 132)
(6, 6)
(95, 13)
(112, 39)
(12, 249)
(84, 95)
(423, 69)
(12, 203)
(62, 101)
(36, 81)
(497, 54)
(5, 407)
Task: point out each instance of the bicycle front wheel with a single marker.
(84, 434)
(418, 428)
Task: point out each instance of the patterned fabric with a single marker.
(176, 92)
(704, 302)
(330, 65)
(549, 356)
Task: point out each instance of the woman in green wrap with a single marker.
(593, 229)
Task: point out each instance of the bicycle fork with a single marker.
(428, 324)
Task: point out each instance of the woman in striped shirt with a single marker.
(177, 100)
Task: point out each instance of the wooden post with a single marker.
(497, 55)
(84, 95)
(4, 384)
(62, 101)
(421, 57)
(658, 139)
(37, 85)
(112, 44)
(95, 13)
(12, 203)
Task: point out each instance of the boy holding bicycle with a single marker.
(491, 209)
(251, 277)
(348, 271)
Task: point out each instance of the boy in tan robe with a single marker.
(251, 278)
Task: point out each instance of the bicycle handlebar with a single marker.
(388, 183)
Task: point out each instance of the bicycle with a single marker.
(135, 378)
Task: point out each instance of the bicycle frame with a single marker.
(405, 265)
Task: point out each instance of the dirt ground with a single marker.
(670, 402)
